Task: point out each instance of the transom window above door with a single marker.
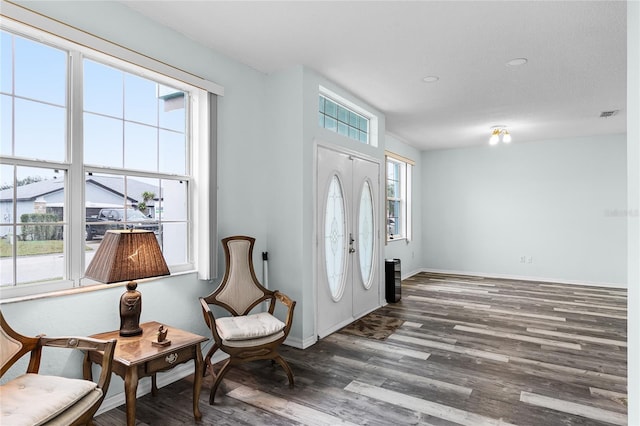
(345, 118)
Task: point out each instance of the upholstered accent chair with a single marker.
(38, 399)
(243, 335)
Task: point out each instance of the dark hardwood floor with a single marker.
(471, 351)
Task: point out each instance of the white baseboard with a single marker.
(525, 278)
(300, 343)
(410, 274)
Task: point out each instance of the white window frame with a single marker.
(200, 131)
(404, 197)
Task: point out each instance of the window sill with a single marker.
(389, 240)
(78, 290)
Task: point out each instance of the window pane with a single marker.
(321, 104)
(140, 100)
(6, 197)
(393, 170)
(335, 237)
(140, 147)
(343, 115)
(343, 129)
(353, 119)
(6, 51)
(364, 123)
(330, 109)
(102, 141)
(7, 243)
(174, 243)
(40, 253)
(47, 139)
(365, 235)
(330, 123)
(393, 188)
(172, 113)
(393, 219)
(103, 89)
(6, 125)
(36, 233)
(143, 195)
(353, 133)
(40, 72)
(321, 120)
(173, 201)
(173, 152)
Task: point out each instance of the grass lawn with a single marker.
(30, 248)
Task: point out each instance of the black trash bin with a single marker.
(392, 280)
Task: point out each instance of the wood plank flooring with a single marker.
(471, 351)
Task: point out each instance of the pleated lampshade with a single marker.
(127, 255)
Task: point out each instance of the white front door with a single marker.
(347, 234)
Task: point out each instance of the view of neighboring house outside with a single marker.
(47, 197)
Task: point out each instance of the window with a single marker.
(398, 197)
(129, 133)
(341, 116)
(342, 120)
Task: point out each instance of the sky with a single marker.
(125, 124)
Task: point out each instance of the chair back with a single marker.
(240, 291)
(13, 345)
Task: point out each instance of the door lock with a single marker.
(351, 241)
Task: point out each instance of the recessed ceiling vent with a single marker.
(607, 114)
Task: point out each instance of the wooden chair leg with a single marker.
(207, 361)
(225, 368)
(286, 368)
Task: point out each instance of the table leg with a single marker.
(154, 385)
(197, 382)
(130, 388)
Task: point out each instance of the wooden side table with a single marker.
(135, 357)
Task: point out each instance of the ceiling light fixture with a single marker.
(499, 133)
(516, 62)
(431, 79)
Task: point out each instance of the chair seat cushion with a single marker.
(251, 326)
(34, 399)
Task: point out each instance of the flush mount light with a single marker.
(516, 62)
(499, 133)
(431, 79)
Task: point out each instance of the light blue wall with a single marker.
(409, 252)
(284, 186)
(557, 202)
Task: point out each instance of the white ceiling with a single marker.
(381, 50)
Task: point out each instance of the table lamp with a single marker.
(128, 255)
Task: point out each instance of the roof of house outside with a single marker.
(113, 184)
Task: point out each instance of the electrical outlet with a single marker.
(523, 259)
(529, 259)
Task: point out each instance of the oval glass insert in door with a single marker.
(334, 238)
(365, 234)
